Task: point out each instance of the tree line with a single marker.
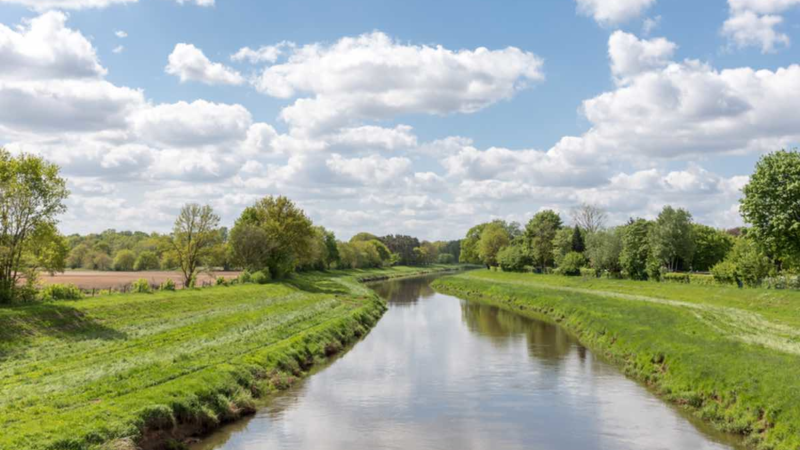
(672, 243)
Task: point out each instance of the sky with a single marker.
(421, 118)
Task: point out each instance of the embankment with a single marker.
(731, 356)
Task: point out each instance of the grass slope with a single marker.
(125, 370)
(731, 355)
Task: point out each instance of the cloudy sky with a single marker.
(405, 116)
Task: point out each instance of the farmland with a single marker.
(127, 368)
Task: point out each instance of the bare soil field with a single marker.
(88, 279)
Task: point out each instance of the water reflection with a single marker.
(440, 373)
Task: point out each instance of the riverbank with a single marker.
(730, 355)
(147, 370)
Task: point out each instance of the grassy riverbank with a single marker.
(141, 369)
(731, 355)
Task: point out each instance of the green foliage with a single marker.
(493, 238)
(771, 203)
(587, 272)
(782, 282)
(261, 277)
(572, 264)
(167, 285)
(141, 286)
(578, 241)
(562, 244)
(446, 258)
(60, 292)
(147, 260)
(32, 197)
(539, 234)
(245, 277)
(364, 237)
(221, 281)
(724, 272)
(676, 277)
(195, 233)
(124, 261)
(711, 247)
(513, 258)
(635, 249)
(745, 264)
(469, 245)
(603, 250)
(403, 247)
(671, 239)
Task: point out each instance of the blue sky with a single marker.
(459, 159)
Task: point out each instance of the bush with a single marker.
(245, 277)
(260, 277)
(168, 285)
(782, 282)
(724, 272)
(572, 263)
(702, 280)
(589, 273)
(124, 260)
(675, 277)
(221, 281)
(60, 292)
(513, 258)
(146, 260)
(141, 286)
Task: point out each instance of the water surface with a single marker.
(441, 373)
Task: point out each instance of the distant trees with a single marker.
(604, 248)
(711, 247)
(493, 238)
(32, 195)
(672, 239)
(403, 246)
(193, 235)
(635, 249)
(124, 260)
(147, 260)
(589, 218)
(539, 234)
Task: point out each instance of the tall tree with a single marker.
(539, 234)
(493, 238)
(672, 239)
(635, 249)
(578, 243)
(771, 204)
(590, 218)
(32, 195)
(711, 247)
(194, 234)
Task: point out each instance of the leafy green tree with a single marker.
(672, 239)
(364, 237)
(711, 247)
(746, 263)
(493, 238)
(635, 249)
(332, 250)
(32, 195)
(124, 260)
(578, 243)
(603, 250)
(101, 261)
(147, 260)
(539, 233)
(250, 246)
(287, 226)
(771, 204)
(514, 257)
(469, 245)
(572, 264)
(562, 244)
(445, 258)
(403, 247)
(195, 232)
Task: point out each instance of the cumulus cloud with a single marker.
(613, 12)
(371, 169)
(631, 56)
(753, 23)
(374, 77)
(193, 124)
(188, 63)
(264, 54)
(120, 34)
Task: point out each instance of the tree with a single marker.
(194, 233)
(578, 243)
(513, 258)
(147, 260)
(771, 204)
(746, 264)
(469, 245)
(493, 238)
(250, 246)
(672, 239)
(711, 247)
(588, 217)
(332, 253)
(286, 226)
(635, 249)
(539, 233)
(403, 247)
(572, 264)
(124, 260)
(562, 244)
(32, 196)
(603, 249)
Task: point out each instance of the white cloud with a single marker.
(650, 24)
(374, 77)
(121, 34)
(44, 48)
(264, 54)
(188, 63)
(371, 169)
(631, 56)
(193, 124)
(753, 23)
(370, 137)
(118, 49)
(613, 12)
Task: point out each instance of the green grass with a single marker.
(120, 370)
(731, 355)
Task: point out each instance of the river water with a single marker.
(438, 372)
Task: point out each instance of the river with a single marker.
(438, 372)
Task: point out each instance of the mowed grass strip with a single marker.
(133, 369)
(728, 354)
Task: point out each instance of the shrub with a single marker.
(724, 272)
(675, 277)
(513, 258)
(146, 260)
(124, 260)
(245, 277)
(702, 280)
(168, 285)
(60, 292)
(572, 263)
(589, 273)
(141, 286)
(782, 282)
(221, 281)
(261, 277)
